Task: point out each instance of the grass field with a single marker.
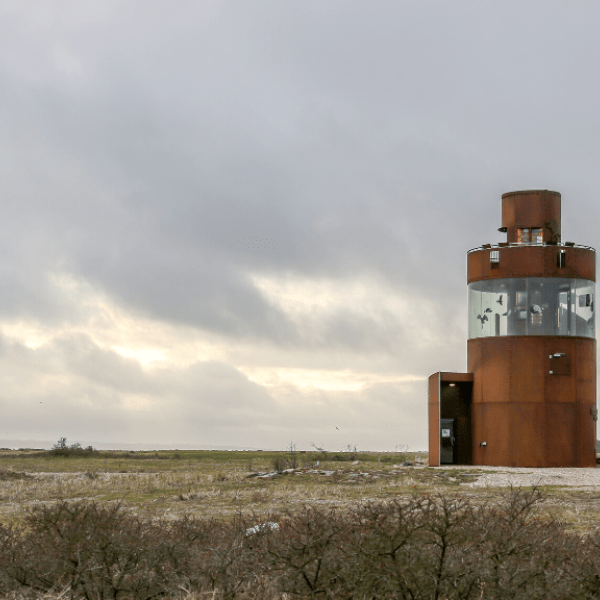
(223, 484)
(203, 483)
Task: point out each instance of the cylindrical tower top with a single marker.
(531, 217)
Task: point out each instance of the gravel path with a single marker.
(585, 479)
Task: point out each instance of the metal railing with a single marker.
(500, 245)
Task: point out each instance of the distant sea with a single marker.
(46, 445)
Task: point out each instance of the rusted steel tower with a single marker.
(529, 398)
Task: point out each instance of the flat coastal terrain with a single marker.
(221, 484)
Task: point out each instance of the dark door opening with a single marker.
(455, 414)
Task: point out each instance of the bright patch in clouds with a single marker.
(145, 356)
(307, 379)
(300, 295)
(302, 299)
(30, 335)
(149, 341)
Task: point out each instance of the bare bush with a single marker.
(428, 547)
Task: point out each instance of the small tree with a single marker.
(293, 457)
(62, 449)
(60, 445)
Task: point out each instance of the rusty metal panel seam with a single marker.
(511, 440)
(439, 419)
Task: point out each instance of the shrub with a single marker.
(279, 464)
(61, 449)
(425, 547)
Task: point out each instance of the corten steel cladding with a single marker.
(433, 407)
(532, 347)
(527, 416)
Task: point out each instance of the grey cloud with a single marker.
(370, 418)
(207, 385)
(139, 144)
(82, 358)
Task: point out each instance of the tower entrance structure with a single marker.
(529, 396)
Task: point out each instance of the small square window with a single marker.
(523, 235)
(494, 259)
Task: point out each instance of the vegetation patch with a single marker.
(10, 475)
(427, 546)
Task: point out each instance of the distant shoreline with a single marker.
(31, 444)
(46, 445)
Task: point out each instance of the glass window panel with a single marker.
(584, 309)
(532, 306)
(536, 236)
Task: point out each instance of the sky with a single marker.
(245, 224)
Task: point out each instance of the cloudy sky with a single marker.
(244, 224)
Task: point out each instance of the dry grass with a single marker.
(224, 484)
(201, 483)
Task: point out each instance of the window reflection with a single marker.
(530, 235)
(523, 235)
(532, 306)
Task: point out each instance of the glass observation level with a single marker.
(532, 306)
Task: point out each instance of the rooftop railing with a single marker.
(521, 244)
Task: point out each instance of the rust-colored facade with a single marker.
(529, 396)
